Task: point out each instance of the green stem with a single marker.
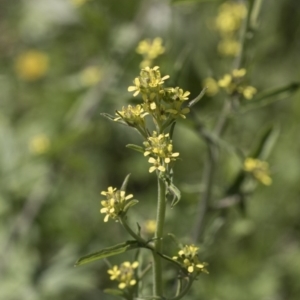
(160, 220)
(184, 291)
(131, 232)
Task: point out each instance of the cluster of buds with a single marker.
(233, 84)
(188, 258)
(116, 203)
(160, 148)
(227, 23)
(124, 274)
(259, 169)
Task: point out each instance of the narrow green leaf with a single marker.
(114, 292)
(198, 98)
(130, 203)
(175, 240)
(135, 148)
(125, 182)
(269, 96)
(175, 192)
(108, 116)
(111, 251)
(265, 143)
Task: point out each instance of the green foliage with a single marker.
(57, 152)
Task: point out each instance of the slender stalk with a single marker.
(221, 124)
(160, 219)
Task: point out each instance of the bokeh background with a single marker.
(62, 63)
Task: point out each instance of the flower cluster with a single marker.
(188, 257)
(125, 274)
(132, 115)
(227, 23)
(259, 169)
(233, 83)
(150, 50)
(160, 148)
(115, 204)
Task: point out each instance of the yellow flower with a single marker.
(150, 50)
(132, 115)
(249, 91)
(90, 76)
(159, 146)
(229, 47)
(211, 85)
(225, 81)
(188, 257)
(150, 226)
(115, 203)
(259, 169)
(124, 274)
(156, 165)
(32, 65)
(39, 144)
(238, 73)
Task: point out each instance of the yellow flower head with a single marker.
(150, 80)
(132, 115)
(32, 65)
(188, 257)
(115, 203)
(125, 274)
(150, 50)
(39, 144)
(161, 147)
(150, 226)
(211, 85)
(230, 17)
(259, 169)
(248, 92)
(229, 47)
(90, 76)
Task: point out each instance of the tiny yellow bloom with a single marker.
(225, 81)
(239, 72)
(90, 76)
(259, 169)
(211, 85)
(32, 65)
(249, 92)
(39, 144)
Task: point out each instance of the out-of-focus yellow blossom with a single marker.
(78, 3)
(211, 85)
(188, 257)
(237, 73)
(124, 274)
(115, 203)
(259, 169)
(32, 65)
(227, 23)
(150, 226)
(249, 92)
(225, 81)
(229, 47)
(39, 144)
(150, 49)
(234, 83)
(230, 17)
(90, 76)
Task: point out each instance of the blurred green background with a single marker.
(62, 63)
